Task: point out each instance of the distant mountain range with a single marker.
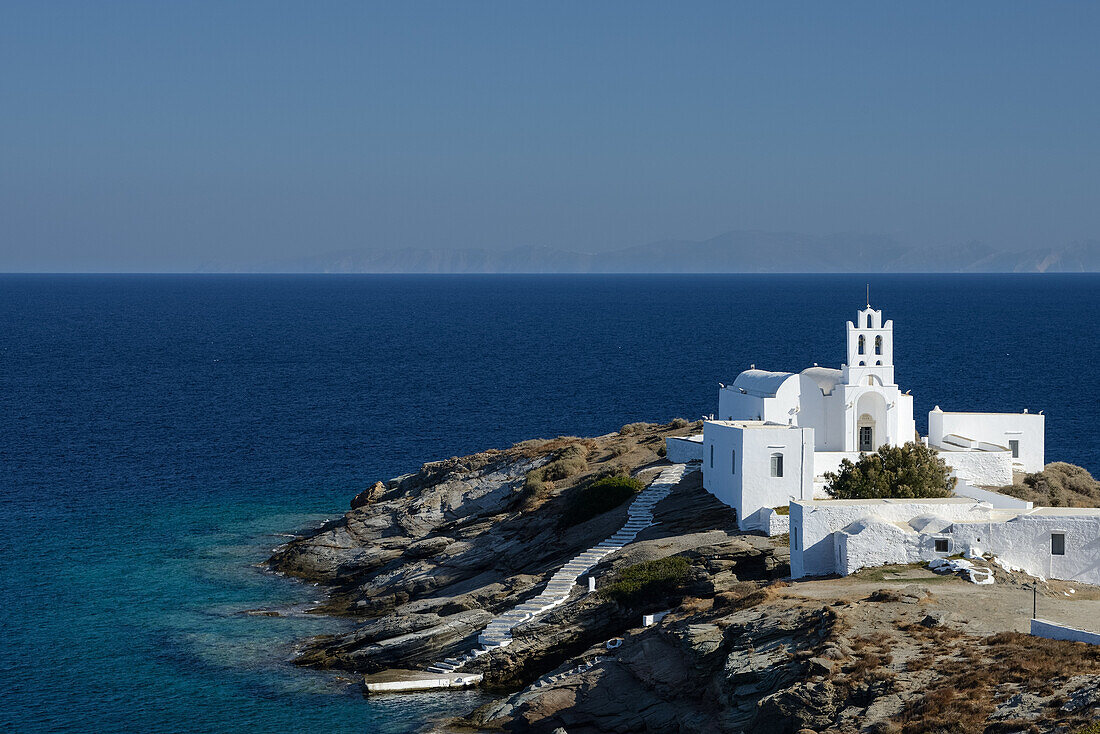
(733, 252)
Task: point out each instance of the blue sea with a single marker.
(161, 434)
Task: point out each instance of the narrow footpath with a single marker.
(498, 633)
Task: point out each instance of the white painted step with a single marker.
(557, 590)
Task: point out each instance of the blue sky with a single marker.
(164, 136)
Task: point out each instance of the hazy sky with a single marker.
(166, 135)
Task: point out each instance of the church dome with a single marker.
(761, 383)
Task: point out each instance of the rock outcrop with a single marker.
(694, 673)
(423, 562)
(428, 558)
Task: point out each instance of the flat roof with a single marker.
(980, 412)
(956, 449)
(1005, 515)
(1063, 511)
(997, 514)
(750, 424)
(893, 501)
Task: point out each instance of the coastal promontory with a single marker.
(691, 626)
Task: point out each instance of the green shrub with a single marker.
(910, 471)
(678, 423)
(598, 497)
(648, 582)
(632, 428)
(662, 451)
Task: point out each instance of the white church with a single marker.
(777, 433)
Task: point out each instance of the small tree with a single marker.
(910, 471)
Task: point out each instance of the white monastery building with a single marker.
(776, 434)
(843, 536)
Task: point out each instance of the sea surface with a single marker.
(161, 434)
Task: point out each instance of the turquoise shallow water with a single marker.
(161, 434)
(138, 626)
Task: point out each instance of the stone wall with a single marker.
(987, 468)
(684, 450)
(1024, 542)
(814, 523)
(998, 500)
(1053, 631)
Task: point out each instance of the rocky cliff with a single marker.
(425, 560)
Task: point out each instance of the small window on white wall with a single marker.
(1057, 544)
(777, 465)
(733, 461)
(712, 456)
(794, 538)
(942, 546)
(1015, 446)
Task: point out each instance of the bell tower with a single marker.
(876, 412)
(870, 350)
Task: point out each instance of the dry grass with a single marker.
(570, 459)
(871, 661)
(617, 450)
(540, 446)
(971, 678)
(1058, 484)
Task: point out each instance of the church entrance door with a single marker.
(866, 438)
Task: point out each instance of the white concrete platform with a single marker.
(424, 683)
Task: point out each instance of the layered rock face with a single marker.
(428, 558)
(702, 674)
(424, 561)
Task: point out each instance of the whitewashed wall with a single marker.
(998, 500)
(987, 468)
(770, 396)
(733, 405)
(749, 487)
(813, 524)
(1054, 631)
(996, 428)
(829, 461)
(1024, 542)
(683, 450)
(879, 543)
(775, 523)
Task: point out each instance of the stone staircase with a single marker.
(498, 633)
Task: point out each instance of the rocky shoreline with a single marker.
(424, 561)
